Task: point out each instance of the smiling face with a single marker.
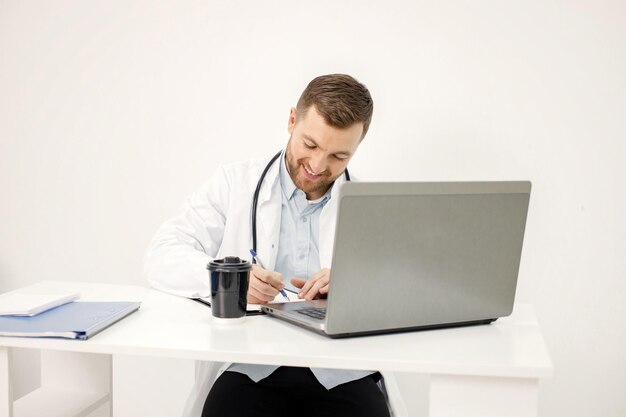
(317, 153)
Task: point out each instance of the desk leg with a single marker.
(468, 396)
(6, 400)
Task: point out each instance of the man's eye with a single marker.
(340, 158)
(308, 145)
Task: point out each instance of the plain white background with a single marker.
(112, 112)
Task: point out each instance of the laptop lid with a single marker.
(422, 255)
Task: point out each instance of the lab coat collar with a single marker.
(269, 215)
(328, 222)
(337, 185)
(271, 181)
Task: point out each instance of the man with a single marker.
(296, 213)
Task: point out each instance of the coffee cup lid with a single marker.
(229, 264)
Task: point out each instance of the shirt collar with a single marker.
(286, 183)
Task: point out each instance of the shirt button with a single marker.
(304, 220)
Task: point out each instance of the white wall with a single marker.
(112, 112)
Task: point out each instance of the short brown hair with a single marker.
(340, 100)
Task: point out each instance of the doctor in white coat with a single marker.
(326, 128)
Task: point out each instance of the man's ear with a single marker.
(292, 120)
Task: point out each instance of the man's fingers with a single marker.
(314, 291)
(253, 300)
(257, 297)
(275, 279)
(263, 285)
(304, 285)
(312, 287)
(311, 281)
(298, 282)
(259, 287)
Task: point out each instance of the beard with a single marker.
(317, 186)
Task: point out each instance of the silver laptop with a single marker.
(412, 256)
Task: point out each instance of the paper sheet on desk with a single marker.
(256, 308)
(31, 304)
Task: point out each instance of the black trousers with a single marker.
(291, 392)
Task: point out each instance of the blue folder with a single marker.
(75, 320)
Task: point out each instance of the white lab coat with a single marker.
(216, 222)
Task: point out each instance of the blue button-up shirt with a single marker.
(298, 244)
(298, 256)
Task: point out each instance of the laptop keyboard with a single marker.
(315, 312)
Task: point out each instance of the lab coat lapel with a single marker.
(268, 216)
(328, 222)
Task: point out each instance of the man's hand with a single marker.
(313, 287)
(263, 285)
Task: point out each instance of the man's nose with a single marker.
(318, 163)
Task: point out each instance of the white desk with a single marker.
(488, 370)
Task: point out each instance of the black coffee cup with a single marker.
(229, 287)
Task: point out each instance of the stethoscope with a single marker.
(255, 199)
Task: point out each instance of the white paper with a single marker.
(293, 297)
(29, 304)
